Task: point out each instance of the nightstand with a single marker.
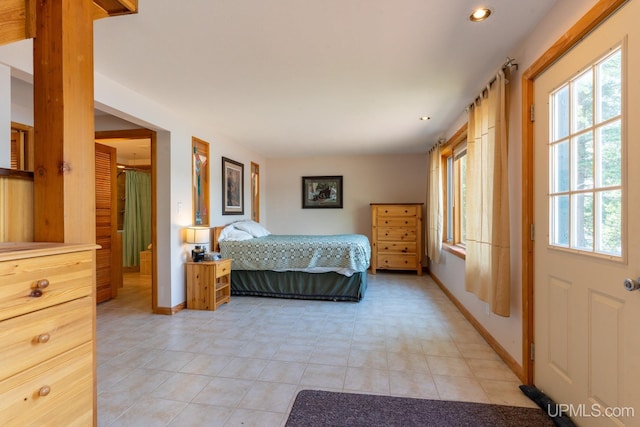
(208, 284)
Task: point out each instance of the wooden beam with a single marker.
(18, 19)
(13, 21)
(117, 7)
(64, 169)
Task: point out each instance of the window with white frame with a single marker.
(456, 169)
(585, 160)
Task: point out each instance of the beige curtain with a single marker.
(487, 271)
(434, 206)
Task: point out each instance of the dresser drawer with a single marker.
(396, 234)
(30, 284)
(384, 211)
(397, 247)
(395, 221)
(35, 337)
(397, 261)
(58, 392)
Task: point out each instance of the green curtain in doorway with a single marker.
(137, 217)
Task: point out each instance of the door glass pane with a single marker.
(560, 171)
(560, 219)
(583, 101)
(583, 223)
(609, 84)
(609, 140)
(561, 114)
(610, 222)
(583, 161)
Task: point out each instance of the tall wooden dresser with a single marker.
(396, 236)
(47, 334)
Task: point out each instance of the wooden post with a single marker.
(64, 169)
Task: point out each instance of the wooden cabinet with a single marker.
(208, 284)
(145, 263)
(47, 334)
(396, 236)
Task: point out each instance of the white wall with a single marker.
(366, 179)
(508, 331)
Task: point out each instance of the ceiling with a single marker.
(301, 78)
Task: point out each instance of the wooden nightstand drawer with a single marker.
(58, 392)
(397, 247)
(223, 268)
(396, 234)
(398, 210)
(35, 337)
(30, 284)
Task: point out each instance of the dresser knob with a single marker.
(43, 338)
(44, 390)
(42, 284)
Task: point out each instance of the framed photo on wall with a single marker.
(321, 192)
(232, 187)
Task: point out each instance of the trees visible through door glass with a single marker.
(585, 160)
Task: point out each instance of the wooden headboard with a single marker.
(215, 245)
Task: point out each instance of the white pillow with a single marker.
(251, 227)
(231, 234)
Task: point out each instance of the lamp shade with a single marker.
(198, 235)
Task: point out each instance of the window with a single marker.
(585, 160)
(455, 166)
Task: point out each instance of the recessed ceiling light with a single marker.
(480, 14)
(425, 118)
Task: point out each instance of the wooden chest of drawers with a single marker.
(396, 236)
(47, 334)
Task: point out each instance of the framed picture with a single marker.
(321, 192)
(232, 187)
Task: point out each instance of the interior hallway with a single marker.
(244, 363)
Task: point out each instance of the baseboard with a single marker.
(170, 310)
(504, 355)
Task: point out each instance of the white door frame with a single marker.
(598, 13)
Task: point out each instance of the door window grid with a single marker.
(585, 200)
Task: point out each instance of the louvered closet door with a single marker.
(106, 223)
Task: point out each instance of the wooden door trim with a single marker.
(594, 17)
(143, 134)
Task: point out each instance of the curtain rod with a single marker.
(509, 63)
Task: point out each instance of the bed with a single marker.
(323, 267)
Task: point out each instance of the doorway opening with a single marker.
(135, 263)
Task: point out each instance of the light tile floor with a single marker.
(244, 363)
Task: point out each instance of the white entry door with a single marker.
(587, 225)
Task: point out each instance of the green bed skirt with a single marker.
(296, 284)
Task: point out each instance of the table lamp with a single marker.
(198, 236)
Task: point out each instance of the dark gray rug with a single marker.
(313, 408)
